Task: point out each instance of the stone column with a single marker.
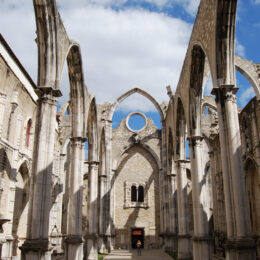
(164, 202)
(183, 221)
(201, 248)
(110, 230)
(240, 244)
(102, 212)
(74, 246)
(172, 197)
(37, 244)
(92, 212)
(2, 110)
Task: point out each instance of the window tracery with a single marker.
(136, 195)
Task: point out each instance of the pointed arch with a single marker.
(131, 92)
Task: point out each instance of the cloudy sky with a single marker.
(127, 43)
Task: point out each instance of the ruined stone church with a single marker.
(135, 184)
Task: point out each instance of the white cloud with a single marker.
(257, 2)
(17, 25)
(126, 49)
(208, 87)
(246, 96)
(121, 49)
(240, 49)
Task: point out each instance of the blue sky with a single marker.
(127, 44)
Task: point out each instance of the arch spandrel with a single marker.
(129, 93)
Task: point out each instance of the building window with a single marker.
(136, 195)
(140, 194)
(133, 194)
(28, 132)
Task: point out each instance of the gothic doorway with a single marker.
(137, 234)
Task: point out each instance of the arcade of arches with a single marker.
(191, 187)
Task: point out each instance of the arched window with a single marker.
(28, 132)
(133, 194)
(140, 194)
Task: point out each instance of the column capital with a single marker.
(171, 175)
(78, 139)
(74, 239)
(40, 91)
(36, 245)
(48, 95)
(195, 140)
(201, 238)
(93, 163)
(182, 163)
(226, 92)
(77, 142)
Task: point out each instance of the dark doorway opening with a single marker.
(137, 234)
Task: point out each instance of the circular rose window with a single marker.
(136, 121)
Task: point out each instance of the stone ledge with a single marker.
(240, 243)
(36, 245)
(184, 236)
(74, 239)
(201, 238)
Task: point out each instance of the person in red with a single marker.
(139, 247)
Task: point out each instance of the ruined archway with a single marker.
(129, 93)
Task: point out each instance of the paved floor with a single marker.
(153, 254)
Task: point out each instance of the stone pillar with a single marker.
(2, 110)
(183, 221)
(110, 230)
(240, 244)
(102, 212)
(74, 246)
(201, 248)
(37, 244)
(164, 202)
(172, 197)
(92, 212)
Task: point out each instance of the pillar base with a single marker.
(74, 247)
(202, 247)
(184, 247)
(103, 244)
(36, 249)
(242, 249)
(171, 243)
(92, 243)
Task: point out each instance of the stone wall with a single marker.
(136, 165)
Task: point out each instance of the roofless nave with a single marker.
(135, 184)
